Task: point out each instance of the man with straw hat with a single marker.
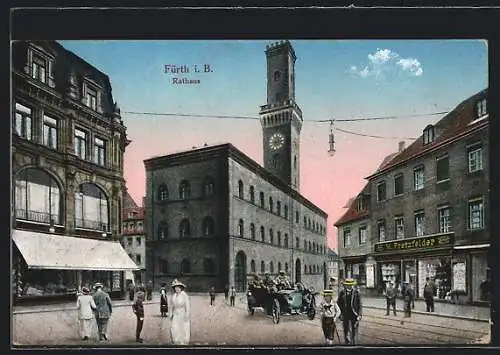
(104, 309)
(330, 312)
(349, 302)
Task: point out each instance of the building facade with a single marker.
(134, 238)
(332, 265)
(237, 217)
(68, 141)
(429, 207)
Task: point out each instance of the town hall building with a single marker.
(214, 216)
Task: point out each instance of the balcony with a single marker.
(37, 216)
(91, 225)
(133, 231)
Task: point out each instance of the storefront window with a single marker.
(89, 278)
(48, 282)
(410, 271)
(437, 270)
(479, 277)
(390, 272)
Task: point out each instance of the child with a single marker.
(232, 296)
(138, 308)
(330, 312)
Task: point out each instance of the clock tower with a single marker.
(281, 117)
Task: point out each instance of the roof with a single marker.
(451, 127)
(227, 150)
(332, 255)
(352, 212)
(129, 206)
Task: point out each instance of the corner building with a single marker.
(214, 215)
(68, 141)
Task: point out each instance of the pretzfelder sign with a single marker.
(415, 244)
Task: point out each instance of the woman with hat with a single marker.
(180, 330)
(85, 306)
(330, 311)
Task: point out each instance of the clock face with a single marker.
(276, 141)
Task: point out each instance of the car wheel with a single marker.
(276, 312)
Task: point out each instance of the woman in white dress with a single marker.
(85, 306)
(180, 330)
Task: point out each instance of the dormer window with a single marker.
(360, 204)
(39, 66)
(92, 96)
(429, 134)
(481, 109)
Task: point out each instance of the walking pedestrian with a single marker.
(85, 305)
(349, 302)
(149, 290)
(390, 296)
(407, 297)
(226, 292)
(131, 290)
(104, 309)
(429, 291)
(232, 296)
(180, 330)
(163, 300)
(138, 308)
(330, 311)
(211, 292)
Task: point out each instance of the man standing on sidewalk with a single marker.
(349, 302)
(429, 291)
(149, 290)
(138, 308)
(103, 311)
(390, 296)
(232, 296)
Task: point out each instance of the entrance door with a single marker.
(240, 272)
(298, 270)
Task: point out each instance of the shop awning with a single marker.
(49, 251)
(474, 246)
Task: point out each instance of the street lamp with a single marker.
(331, 139)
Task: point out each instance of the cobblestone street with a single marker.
(224, 325)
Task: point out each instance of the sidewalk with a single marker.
(440, 309)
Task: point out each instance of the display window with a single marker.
(390, 272)
(480, 280)
(438, 270)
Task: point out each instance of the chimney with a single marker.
(401, 146)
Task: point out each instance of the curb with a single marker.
(435, 314)
(73, 308)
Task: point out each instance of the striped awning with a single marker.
(50, 251)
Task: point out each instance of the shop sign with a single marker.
(116, 280)
(415, 244)
(459, 283)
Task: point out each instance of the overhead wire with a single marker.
(192, 115)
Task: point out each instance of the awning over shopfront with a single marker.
(49, 251)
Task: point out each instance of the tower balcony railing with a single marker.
(91, 224)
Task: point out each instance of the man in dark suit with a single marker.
(103, 310)
(349, 302)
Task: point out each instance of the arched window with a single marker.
(38, 197)
(162, 266)
(279, 266)
(208, 186)
(286, 268)
(285, 241)
(309, 223)
(185, 267)
(305, 269)
(271, 267)
(208, 266)
(305, 222)
(184, 190)
(271, 236)
(262, 234)
(297, 217)
(252, 194)
(261, 197)
(313, 247)
(262, 267)
(184, 229)
(278, 208)
(314, 269)
(252, 266)
(91, 208)
(271, 205)
(208, 226)
(162, 231)
(279, 238)
(252, 231)
(296, 242)
(305, 245)
(162, 192)
(285, 208)
(241, 228)
(276, 161)
(309, 247)
(240, 189)
(310, 269)
(295, 162)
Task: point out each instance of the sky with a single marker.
(342, 79)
